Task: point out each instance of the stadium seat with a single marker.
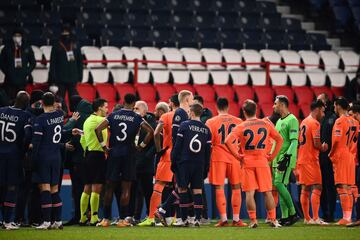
(350, 58)
(234, 109)
(183, 5)
(249, 22)
(208, 38)
(271, 56)
(143, 76)
(337, 79)
(123, 89)
(297, 41)
(152, 53)
(136, 18)
(305, 109)
(179, 87)
(291, 24)
(284, 90)
(212, 55)
(160, 76)
(86, 91)
(304, 95)
(337, 91)
(331, 61)
(220, 77)
(2, 77)
(266, 108)
(270, 22)
(206, 91)
(185, 38)
(132, 53)
(112, 54)
(318, 90)
(232, 56)
(160, 19)
(151, 106)
(230, 39)
(244, 92)
(146, 92)
(192, 55)
(274, 40)
(227, 20)
(180, 76)
(317, 78)
(211, 105)
(182, 19)
(106, 91)
(294, 109)
(173, 55)
(239, 77)
(204, 20)
(86, 76)
(93, 54)
(162, 37)
(225, 91)
(100, 75)
(317, 41)
(40, 75)
(47, 52)
(278, 78)
(38, 56)
(251, 56)
(200, 77)
(311, 58)
(164, 91)
(264, 94)
(297, 79)
(258, 77)
(252, 39)
(292, 57)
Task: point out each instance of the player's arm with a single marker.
(149, 134)
(229, 143)
(37, 137)
(98, 131)
(293, 136)
(27, 133)
(207, 155)
(315, 133)
(176, 151)
(335, 138)
(278, 142)
(157, 135)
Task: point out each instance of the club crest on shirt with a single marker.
(177, 118)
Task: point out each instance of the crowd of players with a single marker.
(255, 155)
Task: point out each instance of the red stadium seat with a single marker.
(234, 109)
(111, 106)
(151, 106)
(319, 90)
(264, 94)
(285, 90)
(86, 91)
(179, 87)
(164, 91)
(294, 109)
(206, 91)
(243, 93)
(146, 92)
(338, 91)
(211, 105)
(267, 109)
(225, 91)
(124, 88)
(106, 91)
(304, 95)
(305, 109)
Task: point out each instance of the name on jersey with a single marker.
(195, 128)
(254, 123)
(124, 118)
(7, 117)
(57, 120)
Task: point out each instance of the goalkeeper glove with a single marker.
(284, 162)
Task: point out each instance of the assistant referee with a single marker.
(94, 167)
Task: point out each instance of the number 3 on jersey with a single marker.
(249, 143)
(123, 128)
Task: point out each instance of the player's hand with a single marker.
(69, 147)
(106, 149)
(284, 162)
(75, 116)
(77, 132)
(324, 147)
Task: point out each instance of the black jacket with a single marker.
(326, 127)
(206, 115)
(17, 76)
(145, 158)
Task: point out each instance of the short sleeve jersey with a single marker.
(220, 127)
(124, 125)
(193, 139)
(253, 136)
(309, 130)
(13, 122)
(89, 140)
(288, 128)
(180, 116)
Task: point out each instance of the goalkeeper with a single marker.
(285, 161)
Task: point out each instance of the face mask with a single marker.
(17, 40)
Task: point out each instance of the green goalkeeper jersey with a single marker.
(288, 128)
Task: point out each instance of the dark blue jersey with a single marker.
(180, 116)
(193, 143)
(15, 130)
(124, 125)
(47, 134)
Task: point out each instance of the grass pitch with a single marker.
(263, 232)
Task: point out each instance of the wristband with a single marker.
(142, 144)
(103, 144)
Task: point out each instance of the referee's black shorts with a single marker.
(94, 168)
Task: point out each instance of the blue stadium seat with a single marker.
(182, 20)
(34, 35)
(135, 5)
(227, 20)
(139, 37)
(317, 41)
(266, 7)
(162, 37)
(249, 22)
(91, 17)
(27, 17)
(274, 40)
(245, 6)
(342, 16)
(204, 20)
(208, 38)
(111, 5)
(114, 36)
(7, 17)
(297, 41)
(270, 22)
(183, 5)
(50, 18)
(160, 19)
(136, 18)
(230, 39)
(185, 38)
(113, 18)
(90, 4)
(156, 5)
(291, 24)
(200, 5)
(224, 6)
(252, 40)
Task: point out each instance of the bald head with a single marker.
(22, 100)
(141, 108)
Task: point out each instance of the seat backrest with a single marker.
(240, 77)
(251, 56)
(220, 77)
(330, 59)
(152, 53)
(350, 58)
(192, 55)
(181, 76)
(173, 54)
(132, 53)
(212, 55)
(47, 52)
(337, 79)
(310, 57)
(290, 56)
(113, 53)
(38, 55)
(258, 78)
(92, 53)
(317, 79)
(160, 76)
(232, 55)
(278, 78)
(271, 56)
(200, 77)
(297, 79)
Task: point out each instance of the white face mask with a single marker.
(17, 40)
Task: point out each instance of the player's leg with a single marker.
(109, 190)
(315, 203)
(46, 205)
(184, 202)
(84, 203)
(198, 205)
(124, 202)
(9, 205)
(56, 207)
(342, 190)
(95, 202)
(233, 175)
(251, 208)
(305, 203)
(217, 175)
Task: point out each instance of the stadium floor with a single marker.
(263, 232)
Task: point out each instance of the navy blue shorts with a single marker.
(190, 174)
(10, 169)
(46, 171)
(94, 168)
(121, 168)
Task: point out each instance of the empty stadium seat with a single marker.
(234, 109)
(106, 91)
(232, 56)
(266, 108)
(200, 77)
(225, 91)
(311, 58)
(258, 77)
(38, 56)
(132, 53)
(304, 95)
(271, 56)
(297, 79)
(174, 55)
(338, 91)
(317, 78)
(40, 75)
(350, 59)
(192, 55)
(179, 87)
(86, 91)
(93, 54)
(143, 76)
(47, 52)
(212, 55)
(264, 94)
(278, 78)
(206, 91)
(152, 53)
(244, 92)
(146, 92)
(331, 61)
(284, 90)
(292, 57)
(151, 106)
(251, 56)
(239, 77)
(160, 76)
(220, 77)
(164, 91)
(180, 76)
(123, 89)
(337, 79)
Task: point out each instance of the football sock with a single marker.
(343, 200)
(204, 212)
(56, 206)
(285, 197)
(198, 205)
(271, 214)
(184, 205)
(46, 205)
(236, 204)
(94, 205)
(84, 203)
(221, 203)
(315, 203)
(305, 203)
(349, 205)
(252, 215)
(170, 200)
(155, 199)
(275, 196)
(9, 205)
